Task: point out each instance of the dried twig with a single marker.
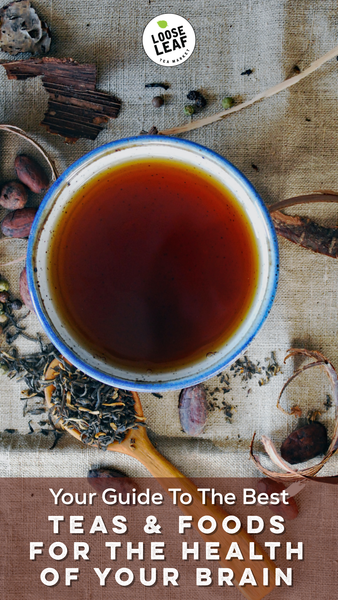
(267, 94)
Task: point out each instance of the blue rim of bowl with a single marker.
(187, 381)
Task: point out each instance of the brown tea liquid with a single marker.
(154, 265)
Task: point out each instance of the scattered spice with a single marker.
(75, 108)
(255, 168)
(198, 98)
(228, 411)
(189, 109)
(10, 324)
(157, 101)
(228, 102)
(24, 290)
(296, 69)
(165, 86)
(157, 395)
(247, 72)
(261, 96)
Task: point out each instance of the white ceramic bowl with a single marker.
(61, 193)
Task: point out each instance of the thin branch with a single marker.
(305, 199)
(267, 94)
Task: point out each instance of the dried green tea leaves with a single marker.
(21, 30)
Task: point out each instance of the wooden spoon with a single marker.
(137, 444)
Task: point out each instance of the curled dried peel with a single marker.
(310, 472)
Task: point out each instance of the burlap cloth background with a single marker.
(291, 138)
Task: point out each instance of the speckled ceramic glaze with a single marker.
(55, 203)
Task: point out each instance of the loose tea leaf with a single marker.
(75, 108)
(100, 413)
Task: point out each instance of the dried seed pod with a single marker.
(13, 195)
(269, 486)
(24, 291)
(31, 174)
(104, 478)
(193, 409)
(21, 29)
(18, 223)
(305, 443)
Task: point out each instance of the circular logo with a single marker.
(169, 40)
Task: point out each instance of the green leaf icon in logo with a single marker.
(162, 24)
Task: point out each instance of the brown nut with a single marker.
(305, 443)
(4, 296)
(13, 195)
(31, 174)
(24, 291)
(193, 409)
(287, 511)
(104, 478)
(18, 223)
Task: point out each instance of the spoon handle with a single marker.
(170, 477)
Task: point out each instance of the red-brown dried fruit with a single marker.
(18, 223)
(104, 478)
(193, 409)
(13, 195)
(31, 174)
(24, 291)
(269, 486)
(305, 443)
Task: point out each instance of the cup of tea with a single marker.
(152, 263)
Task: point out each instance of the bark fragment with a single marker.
(76, 109)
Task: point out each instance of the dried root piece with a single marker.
(21, 29)
(290, 474)
(303, 231)
(76, 109)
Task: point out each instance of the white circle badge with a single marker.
(169, 40)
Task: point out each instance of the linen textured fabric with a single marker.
(285, 145)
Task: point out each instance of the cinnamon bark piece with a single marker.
(307, 233)
(75, 108)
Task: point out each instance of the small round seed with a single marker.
(157, 101)
(189, 109)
